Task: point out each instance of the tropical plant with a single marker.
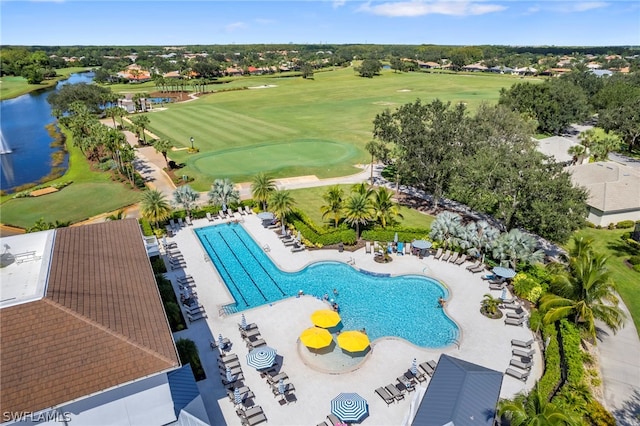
(163, 146)
(534, 410)
(119, 215)
(358, 211)
(262, 187)
(223, 193)
(154, 206)
(515, 246)
(377, 149)
(186, 196)
(362, 188)
(141, 122)
(584, 292)
(282, 204)
(385, 210)
(333, 206)
(481, 236)
(446, 228)
(490, 305)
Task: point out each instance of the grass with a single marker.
(11, 87)
(90, 194)
(310, 200)
(627, 280)
(301, 127)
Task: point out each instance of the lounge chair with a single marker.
(438, 254)
(407, 248)
(489, 277)
(209, 217)
(497, 286)
(241, 211)
(428, 367)
(288, 387)
(232, 364)
(234, 371)
(511, 300)
(461, 260)
(522, 365)
(249, 333)
(521, 375)
(248, 327)
(289, 243)
(298, 247)
(188, 220)
(196, 317)
(385, 395)
(514, 321)
(194, 310)
(526, 354)
(185, 279)
(256, 344)
(333, 420)
(169, 230)
(254, 420)
(479, 268)
(173, 224)
(515, 306)
(249, 412)
(393, 390)
(221, 214)
(403, 388)
(522, 343)
(248, 210)
(446, 256)
(519, 313)
(400, 249)
(454, 257)
(180, 222)
(475, 265)
(367, 247)
(275, 379)
(229, 358)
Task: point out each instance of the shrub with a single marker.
(146, 227)
(551, 378)
(625, 224)
(387, 234)
(158, 265)
(611, 226)
(636, 268)
(591, 225)
(527, 287)
(572, 352)
(634, 260)
(535, 320)
(598, 415)
(321, 237)
(633, 243)
(188, 352)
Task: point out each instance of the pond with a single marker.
(25, 152)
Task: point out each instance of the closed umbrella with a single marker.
(316, 338)
(395, 237)
(243, 322)
(504, 294)
(229, 376)
(414, 367)
(237, 397)
(504, 272)
(261, 358)
(281, 387)
(325, 318)
(353, 341)
(220, 341)
(349, 407)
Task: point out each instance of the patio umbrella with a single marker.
(414, 367)
(229, 376)
(421, 244)
(261, 358)
(316, 338)
(395, 237)
(299, 236)
(281, 387)
(266, 216)
(353, 341)
(504, 272)
(325, 318)
(243, 322)
(349, 407)
(237, 397)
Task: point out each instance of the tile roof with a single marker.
(101, 323)
(612, 186)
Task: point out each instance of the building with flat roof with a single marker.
(614, 191)
(83, 331)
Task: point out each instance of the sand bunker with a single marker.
(403, 90)
(264, 86)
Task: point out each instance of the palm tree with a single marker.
(163, 146)
(262, 187)
(282, 204)
(119, 215)
(141, 122)
(113, 112)
(362, 188)
(384, 208)
(377, 149)
(490, 304)
(333, 198)
(446, 228)
(154, 206)
(358, 210)
(223, 193)
(534, 410)
(186, 196)
(584, 292)
(515, 246)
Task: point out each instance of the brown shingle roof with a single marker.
(101, 323)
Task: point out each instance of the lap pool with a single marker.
(403, 306)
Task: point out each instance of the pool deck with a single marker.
(482, 340)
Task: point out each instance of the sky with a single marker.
(448, 22)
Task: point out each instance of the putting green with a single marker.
(274, 157)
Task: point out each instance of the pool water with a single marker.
(403, 306)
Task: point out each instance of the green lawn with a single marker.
(90, 194)
(301, 127)
(627, 280)
(310, 200)
(11, 87)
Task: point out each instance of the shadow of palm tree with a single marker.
(629, 412)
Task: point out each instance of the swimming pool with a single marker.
(405, 306)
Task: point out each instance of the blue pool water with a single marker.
(404, 306)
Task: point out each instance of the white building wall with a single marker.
(598, 218)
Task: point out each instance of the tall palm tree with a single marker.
(163, 146)
(154, 206)
(333, 198)
(377, 149)
(282, 204)
(362, 188)
(534, 410)
(186, 196)
(358, 211)
(515, 246)
(584, 292)
(384, 208)
(141, 122)
(262, 187)
(446, 228)
(223, 193)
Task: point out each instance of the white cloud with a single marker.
(234, 26)
(338, 3)
(588, 5)
(568, 7)
(420, 8)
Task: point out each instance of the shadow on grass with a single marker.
(620, 248)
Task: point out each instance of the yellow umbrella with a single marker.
(325, 318)
(353, 341)
(316, 338)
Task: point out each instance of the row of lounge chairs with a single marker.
(522, 360)
(451, 257)
(189, 299)
(290, 241)
(406, 383)
(476, 267)
(229, 214)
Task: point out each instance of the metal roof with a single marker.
(460, 393)
(183, 387)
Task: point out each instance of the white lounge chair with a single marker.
(248, 210)
(454, 257)
(526, 354)
(188, 220)
(438, 254)
(209, 217)
(515, 321)
(367, 247)
(446, 255)
(522, 343)
(520, 375)
(461, 260)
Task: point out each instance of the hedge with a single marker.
(146, 227)
(552, 376)
(341, 235)
(572, 352)
(388, 234)
(625, 224)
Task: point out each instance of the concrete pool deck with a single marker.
(482, 341)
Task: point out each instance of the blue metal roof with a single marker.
(183, 387)
(460, 393)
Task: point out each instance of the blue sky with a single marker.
(459, 22)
